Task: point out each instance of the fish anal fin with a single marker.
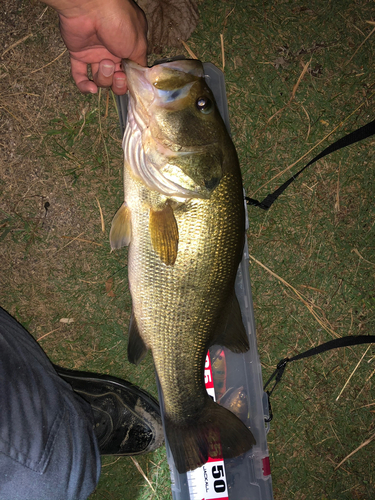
(137, 349)
(121, 230)
(230, 331)
(164, 234)
(192, 443)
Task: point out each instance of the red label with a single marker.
(266, 466)
(208, 381)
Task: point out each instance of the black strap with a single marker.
(356, 136)
(327, 346)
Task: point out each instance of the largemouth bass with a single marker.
(184, 220)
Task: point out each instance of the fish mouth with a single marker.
(156, 161)
(162, 82)
(159, 74)
(139, 85)
(160, 85)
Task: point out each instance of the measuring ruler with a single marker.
(209, 481)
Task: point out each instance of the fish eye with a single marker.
(204, 105)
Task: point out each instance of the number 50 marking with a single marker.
(219, 484)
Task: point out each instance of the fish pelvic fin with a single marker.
(164, 234)
(218, 433)
(121, 229)
(137, 349)
(230, 331)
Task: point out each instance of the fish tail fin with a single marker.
(217, 433)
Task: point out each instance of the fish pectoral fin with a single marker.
(164, 234)
(137, 349)
(231, 332)
(121, 229)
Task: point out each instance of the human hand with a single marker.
(100, 33)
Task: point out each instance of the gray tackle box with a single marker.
(231, 378)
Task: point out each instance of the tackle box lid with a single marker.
(233, 380)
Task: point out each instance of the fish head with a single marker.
(174, 139)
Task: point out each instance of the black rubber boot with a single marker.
(127, 419)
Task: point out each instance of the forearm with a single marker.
(77, 8)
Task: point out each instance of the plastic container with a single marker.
(231, 379)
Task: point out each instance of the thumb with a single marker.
(79, 74)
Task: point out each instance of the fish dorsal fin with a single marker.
(164, 234)
(121, 229)
(231, 332)
(137, 349)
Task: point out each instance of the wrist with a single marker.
(77, 8)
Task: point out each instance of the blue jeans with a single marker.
(48, 449)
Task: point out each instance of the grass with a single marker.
(64, 148)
